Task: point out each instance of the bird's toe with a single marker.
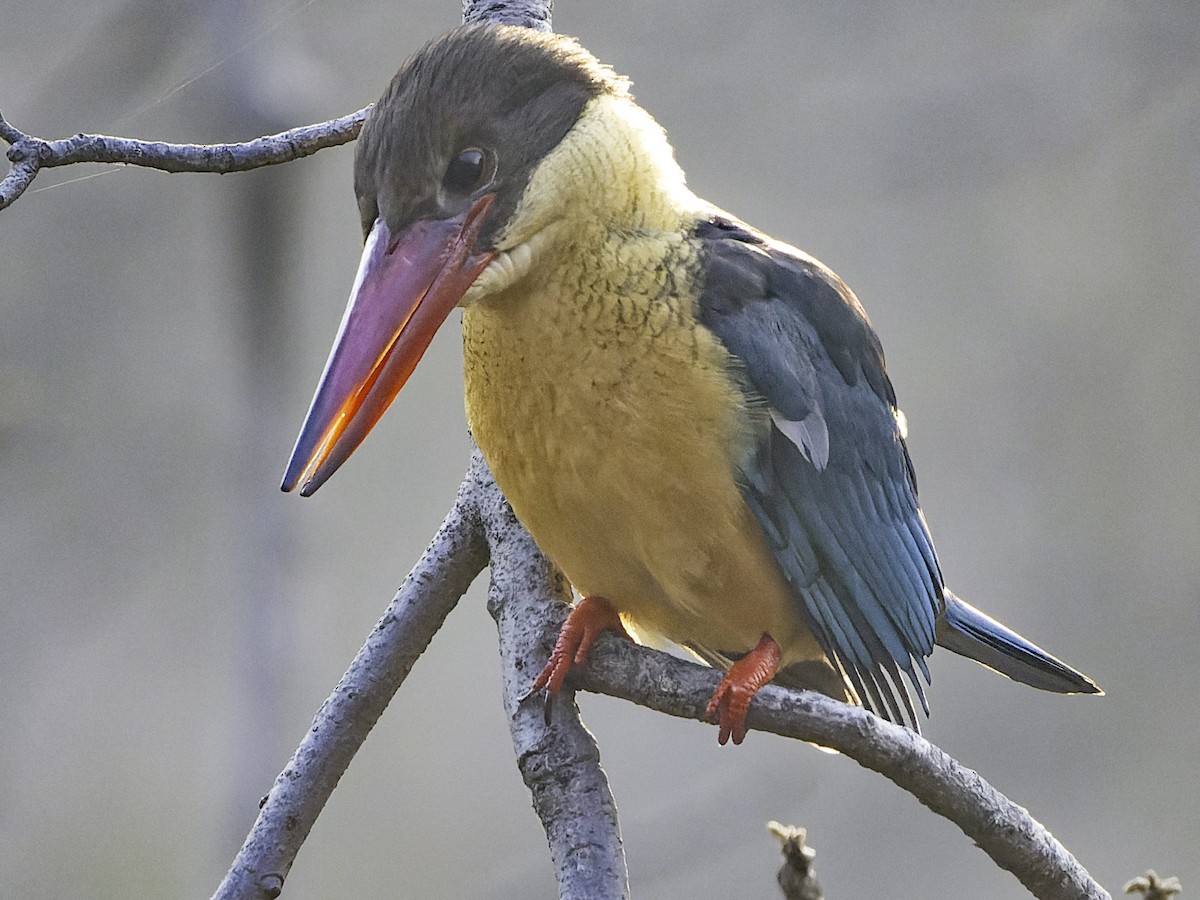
(587, 620)
(731, 700)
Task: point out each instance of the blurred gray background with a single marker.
(1012, 189)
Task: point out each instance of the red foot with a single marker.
(731, 700)
(589, 617)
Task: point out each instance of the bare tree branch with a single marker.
(557, 756)
(1001, 828)
(442, 575)
(560, 762)
(533, 14)
(30, 155)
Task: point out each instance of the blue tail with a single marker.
(970, 633)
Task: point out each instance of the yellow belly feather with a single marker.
(610, 422)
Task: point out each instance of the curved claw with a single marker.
(731, 700)
(587, 619)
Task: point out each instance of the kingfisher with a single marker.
(692, 419)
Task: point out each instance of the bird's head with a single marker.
(487, 142)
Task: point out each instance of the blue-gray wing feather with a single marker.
(843, 520)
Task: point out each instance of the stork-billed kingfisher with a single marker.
(692, 419)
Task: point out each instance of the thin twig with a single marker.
(1154, 887)
(30, 155)
(797, 877)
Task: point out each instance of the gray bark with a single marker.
(557, 756)
(30, 155)
(1004, 830)
(442, 575)
(530, 13)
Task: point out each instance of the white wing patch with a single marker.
(811, 436)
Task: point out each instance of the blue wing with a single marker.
(830, 481)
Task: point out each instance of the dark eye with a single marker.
(467, 171)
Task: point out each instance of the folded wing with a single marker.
(830, 481)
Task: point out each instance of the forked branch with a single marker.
(577, 811)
